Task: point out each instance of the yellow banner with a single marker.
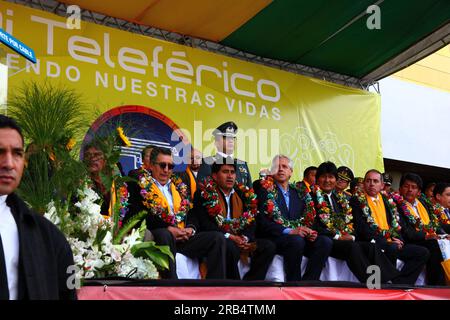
(277, 112)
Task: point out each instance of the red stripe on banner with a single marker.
(259, 293)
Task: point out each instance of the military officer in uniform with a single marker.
(225, 138)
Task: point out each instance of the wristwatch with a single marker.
(227, 235)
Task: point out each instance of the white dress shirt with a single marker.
(165, 189)
(10, 241)
(228, 200)
(224, 155)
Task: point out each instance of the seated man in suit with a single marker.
(225, 139)
(189, 176)
(334, 219)
(221, 205)
(441, 193)
(421, 225)
(165, 199)
(376, 219)
(284, 221)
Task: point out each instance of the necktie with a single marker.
(4, 290)
(447, 213)
(330, 199)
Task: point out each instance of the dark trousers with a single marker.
(208, 244)
(360, 255)
(260, 260)
(435, 273)
(415, 257)
(293, 247)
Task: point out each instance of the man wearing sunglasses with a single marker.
(225, 139)
(179, 238)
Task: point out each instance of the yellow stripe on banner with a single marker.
(432, 71)
(206, 19)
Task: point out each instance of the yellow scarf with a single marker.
(378, 212)
(193, 182)
(176, 198)
(423, 214)
(112, 201)
(308, 186)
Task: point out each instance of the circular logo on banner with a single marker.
(142, 126)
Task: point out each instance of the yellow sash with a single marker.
(378, 212)
(308, 186)
(193, 182)
(176, 198)
(112, 201)
(423, 214)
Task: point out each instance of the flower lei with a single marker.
(302, 189)
(123, 195)
(429, 229)
(272, 210)
(394, 230)
(339, 222)
(236, 225)
(437, 209)
(153, 202)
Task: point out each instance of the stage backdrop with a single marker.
(169, 86)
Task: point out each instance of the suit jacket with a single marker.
(362, 229)
(266, 227)
(44, 255)
(199, 218)
(409, 231)
(242, 171)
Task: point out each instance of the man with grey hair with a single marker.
(282, 220)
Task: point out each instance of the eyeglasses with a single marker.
(163, 165)
(95, 155)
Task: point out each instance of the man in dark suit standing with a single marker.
(220, 205)
(189, 176)
(225, 138)
(284, 221)
(34, 254)
(376, 219)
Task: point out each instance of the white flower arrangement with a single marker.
(97, 252)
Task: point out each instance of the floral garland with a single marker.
(236, 225)
(339, 222)
(437, 209)
(429, 229)
(272, 210)
(394, 230)
(123, 196)
(153, 202)
(302, 189)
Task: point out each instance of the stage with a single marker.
(239, 290)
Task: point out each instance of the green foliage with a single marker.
(158, 254)
(49, 117)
